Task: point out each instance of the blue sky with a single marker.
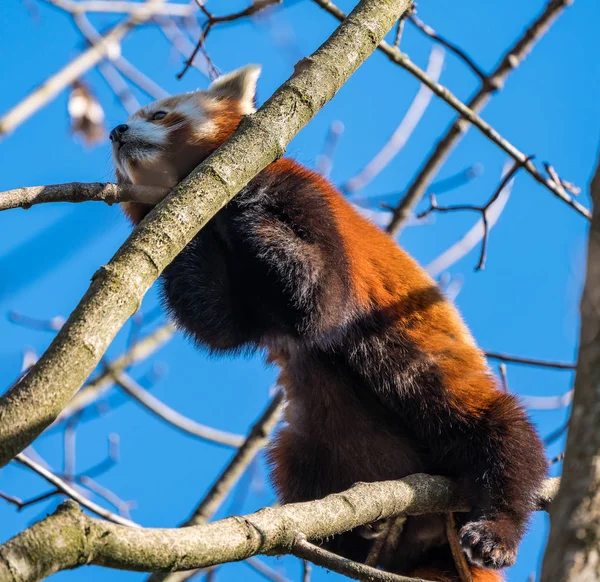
(524, 302)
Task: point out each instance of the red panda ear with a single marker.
(239, 85)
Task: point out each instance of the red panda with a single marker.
(381, 376)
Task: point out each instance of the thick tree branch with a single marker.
(70, 538)
(573, 553)
(117, 288)
(78, 192)
(257, 438)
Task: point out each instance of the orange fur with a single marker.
(386, 277)
(478, 575)
(224, 114)
(363, 336)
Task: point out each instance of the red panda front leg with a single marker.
(261, 274)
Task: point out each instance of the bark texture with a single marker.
(573, 552)
(118, 288)
(69, 538)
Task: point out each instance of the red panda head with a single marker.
(162, 143)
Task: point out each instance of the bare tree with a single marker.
(574, 546)
(55, 388)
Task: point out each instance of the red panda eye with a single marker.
(158, 116)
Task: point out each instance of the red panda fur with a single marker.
(381, 376)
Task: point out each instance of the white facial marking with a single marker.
(147, 132)
(192, 111)
(142, 142)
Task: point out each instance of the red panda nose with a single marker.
(117, 132)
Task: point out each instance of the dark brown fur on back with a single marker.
(381, 376)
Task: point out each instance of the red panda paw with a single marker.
(490, 544)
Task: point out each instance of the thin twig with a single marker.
(75, 69)
(404, 130)
(119, 87)
(65, 488)
(121, 505)
(547, 402)
(558, 433)
(304, 549)
(111, 459)
(503, 376)
(118, 6)
(473, 237)
(440, 187)
(213, 20)
(20, 504)
(325, 159)
(174, 418)
(460, 560)
(70, 448)
(456, 180)
(483, 210)
(140, 351)
(265, 571)
(560, 182)
(427, 30)
(52, 324)
(529, 361)
(306, 571)
(142, 81)
(180, 42)
(400, 26)
(75, 192)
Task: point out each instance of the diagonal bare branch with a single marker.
(469, 112)
(404, 130)
(65, 488)
(98, 385)
(174, 418)
(117, 288)
(492, 83)
(77, 67)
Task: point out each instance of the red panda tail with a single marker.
(477, 574)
